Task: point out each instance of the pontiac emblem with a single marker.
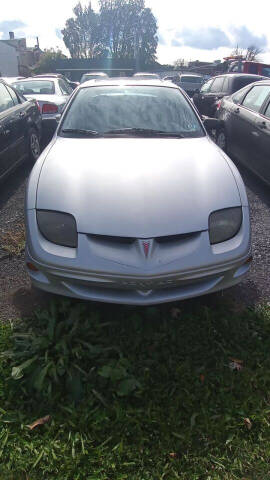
(146, 246)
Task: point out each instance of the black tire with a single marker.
(33, 145)
(221, 139)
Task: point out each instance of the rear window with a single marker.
(191, 79)
(266, 71)
(38, 87)
(241, 82)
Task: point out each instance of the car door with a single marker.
(261, 142)
(20, 125)
(7, 130)
(246, 117)
(200, 98)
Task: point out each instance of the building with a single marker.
(16, 58)
(9, 64)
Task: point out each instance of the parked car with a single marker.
(93, 76)
(191, 83)
(133, 203)
(71, 83)
(208, 99)
(51, 94)
(20, 129)
(172, 78)
(245, 133)
(11, 80)
(146, 76)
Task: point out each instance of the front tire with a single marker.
(221, 140)
(34, 145)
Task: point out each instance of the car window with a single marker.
(256, 97)
(103, 109)
(206, 87)
(6, 101)
(240, 82)
(217, 85)
(64, 87)
(267, 111)
(186, 79)
(266, 71)
(238, 96)
(38, 87)
(226, 87)
(13, 95)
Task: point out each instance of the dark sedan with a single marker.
(245, 130)
(208, 99)
(20, 129)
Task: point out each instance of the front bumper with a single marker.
(92, 272)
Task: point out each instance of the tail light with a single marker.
(49, 108)
(218, 105)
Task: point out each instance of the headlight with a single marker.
(59, 228)
(224, 224)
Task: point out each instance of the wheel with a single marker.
(221, 140)
(34, 146)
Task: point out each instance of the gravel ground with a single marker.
(18, 298)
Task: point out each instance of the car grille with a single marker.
(130, 240)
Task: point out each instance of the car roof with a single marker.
(238, 75)
(101, 74)
(36, 79)
(56, 75)
(129, 81)
(190, 75)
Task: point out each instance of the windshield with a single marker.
(104, 109)
(43, 87)
(266, 71)
(191, 79)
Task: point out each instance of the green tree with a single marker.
(121, 29)
(81, 34)
(48, 59)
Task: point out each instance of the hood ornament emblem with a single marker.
(146, 248)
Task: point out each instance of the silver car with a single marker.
(93, 76)
(133, 203)
(51, 94)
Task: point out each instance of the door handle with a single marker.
(263, 124)
(6, 132)
(22, 114)
(255, 134)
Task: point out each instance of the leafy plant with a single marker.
(63, 352)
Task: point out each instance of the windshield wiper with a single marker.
(143, 131)
(80, 131)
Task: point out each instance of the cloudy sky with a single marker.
(205, 30)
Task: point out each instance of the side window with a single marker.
(267, 111)
(64, 87)
(13, 95)
(217, 85)
(256, 97)
(238, 96)
(206, 87)
(5, 99)
(225, 88)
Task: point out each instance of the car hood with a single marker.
(138, 187)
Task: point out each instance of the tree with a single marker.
(122, 29)
(179, 63)
(81, 34)
(47, 60)
(252, 53)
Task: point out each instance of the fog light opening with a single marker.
(32, 267)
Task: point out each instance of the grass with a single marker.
(13, 241)
(186, 417)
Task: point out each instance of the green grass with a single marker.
(184, 417)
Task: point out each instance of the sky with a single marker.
(203, 30)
